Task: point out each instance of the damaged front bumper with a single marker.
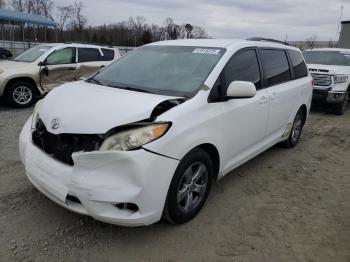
(126, 188)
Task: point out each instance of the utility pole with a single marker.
(339, 22)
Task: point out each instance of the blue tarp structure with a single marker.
(8, 16)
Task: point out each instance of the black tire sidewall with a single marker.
(173, 213)
(12, 87)
(291, 141)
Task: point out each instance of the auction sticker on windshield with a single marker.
(206, 51)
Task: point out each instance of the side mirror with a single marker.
(241, 89)
(42, 63)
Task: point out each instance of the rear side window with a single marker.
(88, 55)
(108, 54)
(276, 67)
(243, 66)
(299, 66)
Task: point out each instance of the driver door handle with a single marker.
(71, 68)
(273, 96)
(263, 100)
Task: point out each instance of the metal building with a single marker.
(13, 18)
(344, 38)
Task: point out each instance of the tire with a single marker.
(188, 192)
(3, 56)
(297, 128)
(21, 94)
(339, 109)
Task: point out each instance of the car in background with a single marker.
(44, 67)
(146, 137)
(5, 54)
(330, 69)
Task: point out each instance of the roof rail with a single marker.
(89, 43)
(267, 40)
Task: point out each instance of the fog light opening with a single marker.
(127, 206)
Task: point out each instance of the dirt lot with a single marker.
(284, 205)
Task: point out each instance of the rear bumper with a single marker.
(328, 96)
(101, 180)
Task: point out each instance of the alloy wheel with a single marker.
(22, 95)
(192, 187)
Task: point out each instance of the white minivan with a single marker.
(145, 138)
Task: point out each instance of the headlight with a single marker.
(134, 138)
(338, 79)
(35, 114)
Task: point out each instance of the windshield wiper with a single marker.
(131, 88)
(92, 80)
(137, 89)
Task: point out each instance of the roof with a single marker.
(221, 43)
(75, 45)
(330, 49)
(9, 15)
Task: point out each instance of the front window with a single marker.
(327, 58)
(61, 57)
(32, 54)
(167, 70)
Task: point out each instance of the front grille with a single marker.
(62, 146)
(322, 80)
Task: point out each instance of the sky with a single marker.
(279, 19)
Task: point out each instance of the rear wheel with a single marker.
(339, 109)
(189, 187)
(21, 94)
(297, 128)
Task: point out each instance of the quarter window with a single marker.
(60, 57)
(299, 66)
(243, 66)
(108, 54)
(276, 67)
(88, 55)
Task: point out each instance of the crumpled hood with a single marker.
(84, 108)
(8, 65)
(333, 70)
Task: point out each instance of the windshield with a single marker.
(327, 58)
(32, 54)
(166, 70)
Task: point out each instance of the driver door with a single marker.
(59, 67)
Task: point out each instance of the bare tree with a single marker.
(64, 13)
(18, 5)
(3, 4)
(78, 19)
(311, 42)
(46, 8)
(199, 32)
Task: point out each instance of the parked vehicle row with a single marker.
(330, 69)
(5, 54)
(146, 137)
(44, 67)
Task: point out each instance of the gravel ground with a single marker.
(284, 205)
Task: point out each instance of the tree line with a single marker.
(73, 25)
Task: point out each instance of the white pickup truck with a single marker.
(330, 69)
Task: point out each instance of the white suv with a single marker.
(330, 68)
(146, 137)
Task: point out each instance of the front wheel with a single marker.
(339, 109)
(21, 94)
(295, 133)
(189, 188)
